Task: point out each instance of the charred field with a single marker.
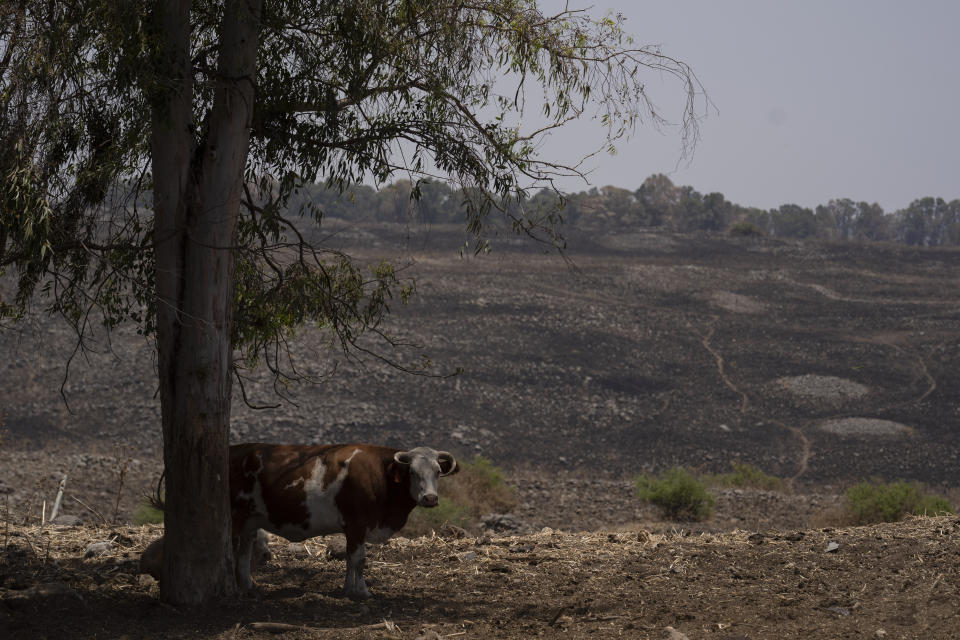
(818, 363)
(822, 364)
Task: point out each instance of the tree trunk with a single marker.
(197, 187)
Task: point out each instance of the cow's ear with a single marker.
(448, 464)
(395, 472)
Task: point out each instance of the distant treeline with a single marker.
(658, 203)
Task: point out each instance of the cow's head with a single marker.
(425, 465)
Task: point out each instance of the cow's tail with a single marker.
(156, 498)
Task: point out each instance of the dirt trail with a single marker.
(921, 366)
(892, 341)
(803, 459)
(744, 400)
(803, 456)
(830, 294)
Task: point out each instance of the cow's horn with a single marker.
(448, 457)
(402, 457)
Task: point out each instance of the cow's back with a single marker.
(302, 491)
(269, 485)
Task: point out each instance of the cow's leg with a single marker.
(242, 555)
(261, 550)
(354, 586)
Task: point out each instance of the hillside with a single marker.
(819, 363)
(885, 581)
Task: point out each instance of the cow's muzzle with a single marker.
(429, 500)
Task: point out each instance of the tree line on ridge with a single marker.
(656, 204)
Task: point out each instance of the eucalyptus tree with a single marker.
(150, 150)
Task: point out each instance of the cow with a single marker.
(297, 492)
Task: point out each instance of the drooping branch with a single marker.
(344, 91)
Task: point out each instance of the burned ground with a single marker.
(617, 360)
(640, 352)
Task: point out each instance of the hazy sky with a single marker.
(815, 99)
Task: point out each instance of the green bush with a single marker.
(423, 520)
(876, 501)
(484, 474)
(146, 513)
(745, 475)
(745, 229)
(678, 493)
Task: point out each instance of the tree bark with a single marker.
(197, 188)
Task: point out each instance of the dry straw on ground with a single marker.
(901, 578)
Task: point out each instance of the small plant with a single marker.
(150, 509)
(147, 513)
(477, 489)
(482, 475)
(745, 475)
(678, 493)
(449, 511)
(876, 501)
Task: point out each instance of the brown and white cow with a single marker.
(364, 491)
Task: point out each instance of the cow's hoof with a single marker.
(359, 596)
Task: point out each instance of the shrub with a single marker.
(745, 475)
(678, 493)
(876, 501)
(745, 229)
(422, 521)
(146, 513)
(477, 489)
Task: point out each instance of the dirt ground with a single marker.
(885, 581)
